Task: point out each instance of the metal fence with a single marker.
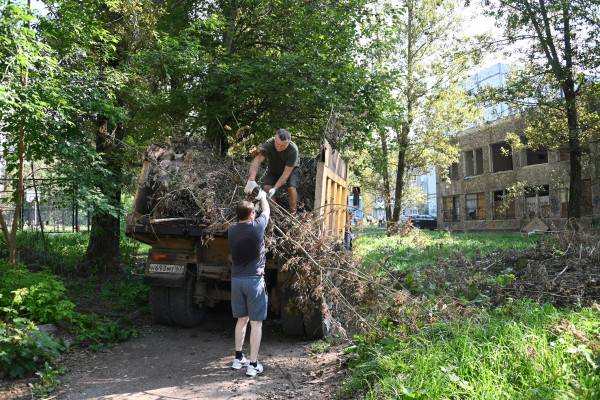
(44, 208)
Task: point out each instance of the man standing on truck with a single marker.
(248, 288)
(283, 161)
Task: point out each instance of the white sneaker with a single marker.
(253, 371)
(239, 364)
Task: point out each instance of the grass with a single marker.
(61, 253)
(520, 349)
(422, 248)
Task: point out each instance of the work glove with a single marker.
(272, 192)
(262, 195)
(250, 186)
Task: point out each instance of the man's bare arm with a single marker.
(287, 171)
(254, 166)
(264, 206)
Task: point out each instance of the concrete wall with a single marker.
(552, 174)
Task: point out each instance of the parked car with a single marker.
(422, 221)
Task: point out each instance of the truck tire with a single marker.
(314, 325)
(159, 304)
(292, 322)
(184, 310)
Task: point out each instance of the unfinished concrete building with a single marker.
(472, 195)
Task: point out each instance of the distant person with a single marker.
(248, 289)
(283, 161)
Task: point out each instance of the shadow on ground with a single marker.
(176, 363)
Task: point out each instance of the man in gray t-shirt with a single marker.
(248, 289)
(283, 161)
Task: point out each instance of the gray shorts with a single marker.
(249, 298)
(293, 180)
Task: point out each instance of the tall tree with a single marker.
(31, 105)
(420, 59)
(561, 46)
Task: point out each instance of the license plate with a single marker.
(166, 268)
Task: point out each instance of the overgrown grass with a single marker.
(422, 248)
(62, 253)
(519, 349)
(522, 350)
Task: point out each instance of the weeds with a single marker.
(320, 347)
(514, 351)
(473, 321)
(48, 381)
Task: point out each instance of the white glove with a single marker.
(262, 195)
(272, 192)
(250, 186)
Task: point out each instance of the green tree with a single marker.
(418, 59)
(560, 44)
(31, 104)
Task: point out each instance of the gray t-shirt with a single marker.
(247, 247)
(278, 160)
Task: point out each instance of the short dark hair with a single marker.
(282, 134)
(244, 209)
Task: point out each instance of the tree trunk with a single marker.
(402, 147)
(103, 248)
(575, 186)
(406, 126)
(387, 192)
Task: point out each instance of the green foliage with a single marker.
(125, 294)
(23, 348)
(98, 332)
(381, 253)
(521, 350)
(48, 380)
(38, 296)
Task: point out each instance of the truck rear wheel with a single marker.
(159, 303)
(292, 322)
(314, 325)
(295, 323)
(176, 305)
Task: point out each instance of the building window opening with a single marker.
(469, 166)
(503, 207)
(453, 172)
(450, 211)
(537, 156)
(501, 157)
(478, 161)
(564, 155)
(537, 202)
(475, 206)
(474, 162)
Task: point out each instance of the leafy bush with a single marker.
(126, 294)
(38, 296)
(24, 349)
(98, 332)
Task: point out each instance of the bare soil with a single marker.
(176, 363)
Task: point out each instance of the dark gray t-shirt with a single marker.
(247, 247)
(278, 160)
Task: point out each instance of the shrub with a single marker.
(38, 296)
(24, 349)
(97, 332)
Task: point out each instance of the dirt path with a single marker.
(175, 363)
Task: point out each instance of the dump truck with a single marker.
(188, 268)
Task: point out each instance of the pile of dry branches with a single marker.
(205, 187)
(562, 268)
